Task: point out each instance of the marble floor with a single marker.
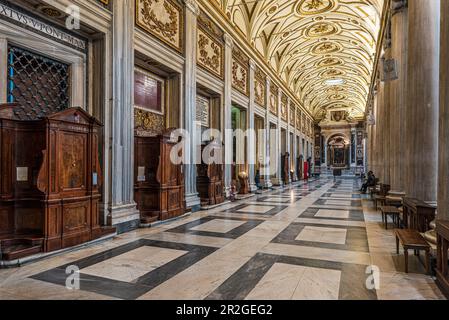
(315, 240)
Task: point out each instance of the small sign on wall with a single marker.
(95, 179)
(22, 174)
(141, 174)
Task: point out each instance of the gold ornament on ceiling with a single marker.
(311, 7)
(327, 62)
(331, 73)
(321, 29)
(300, 39)
(325, 48)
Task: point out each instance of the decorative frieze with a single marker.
(164, 19)
(240, 71)
(292, 114)
(298, 119)
(260, 82)
(18, 17)
(284, 107)
(303, 123)
(210, 48)
(274, 99)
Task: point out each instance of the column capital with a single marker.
(252, 64)
(192, 5)
(228, 40)
(398, 6)
(268, 82)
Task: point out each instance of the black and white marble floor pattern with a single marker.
(311, 240)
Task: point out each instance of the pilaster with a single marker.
(251, 145)
(122, 209)
(227, 112)
(191, 152)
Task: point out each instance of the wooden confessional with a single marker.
(285, 167)
(50, 181)
(209, 179)
(159, 183)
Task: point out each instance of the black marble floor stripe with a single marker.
(233, 234)
(356, 237)
(243, 281)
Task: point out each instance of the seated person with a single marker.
(370, 182)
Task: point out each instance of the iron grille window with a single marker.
(37, 83)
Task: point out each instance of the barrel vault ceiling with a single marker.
(309, 42)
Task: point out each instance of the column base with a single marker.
(277, 182)
(253, 188)
(267, 184)
(193, 202)
(124, 218)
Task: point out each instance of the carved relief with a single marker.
(163, 19)
(284, 107)
(292, 113)
(240, 72)
(298, 119)
(303, 123)
(210, 48)
(210, 54)
(260, 80)
(148, 123)
(274, 94)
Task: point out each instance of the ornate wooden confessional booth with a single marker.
(158, 182)
(50, 180)
(209, 180)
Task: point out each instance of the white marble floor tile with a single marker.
(338, 202)
(219, 225)
(337, 214)
(321, 234)
(133, 264)
(256, 209)
(285, 282)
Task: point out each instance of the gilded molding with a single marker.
(147, 123)
(210, 54)
(274, 99)
(260, 86)
(163, 19)
(240, 71)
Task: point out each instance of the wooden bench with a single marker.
(412, 240)
(379, 198)
(390, 211)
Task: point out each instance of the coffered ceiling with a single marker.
(324, 50)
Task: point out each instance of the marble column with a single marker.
(287, 140)
(443, 172)
(227, 114)
(267, 175)
(422, 99)
(191, 152)
(251, 137)
(122, 208)
(278, 179)
(398, 94)
(387, 116)
(379, 131)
